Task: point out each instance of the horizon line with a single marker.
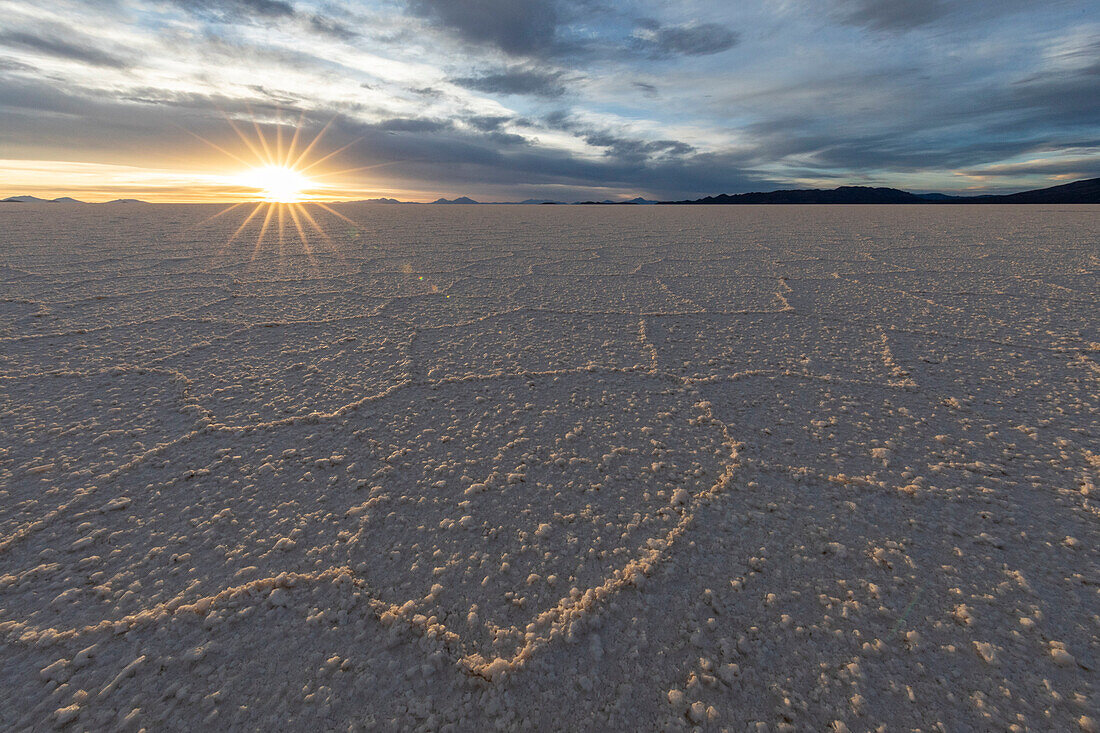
(532, 201)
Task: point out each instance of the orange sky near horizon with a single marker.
(221, 182)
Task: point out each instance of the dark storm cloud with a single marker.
(517, 80)
(693, 39)
(68, 49)
(517, 28)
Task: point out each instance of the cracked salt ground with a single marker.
(547, 468)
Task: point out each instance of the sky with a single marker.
(167, 100)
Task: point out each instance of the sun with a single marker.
(277, 176)
(277, 183)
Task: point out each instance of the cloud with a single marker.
(236, 9)
(897, 16)
(691, 39)
(1084, 167)
(72, 50)
(334, 28)
(634, 149)
(413, 124)
(419, 153)
(487, 123)
(517, 28)
(245, 11)
(570, 29)
(890, 15)
(516, 80)
(1069, 96)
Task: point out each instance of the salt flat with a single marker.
(448, 468)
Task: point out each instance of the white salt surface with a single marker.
(816, 468)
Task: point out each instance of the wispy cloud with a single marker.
(516, 80)
(73, 47)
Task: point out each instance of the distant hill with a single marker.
(937, 197)
(1079, 192)
(36, 200)
(841, 195)
(459, 200)
(24, 200)
(374, 201)
(639, 201)
(62, 200)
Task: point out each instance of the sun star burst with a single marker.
(280, 181)
(277, 183)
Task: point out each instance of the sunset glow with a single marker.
(277, 183)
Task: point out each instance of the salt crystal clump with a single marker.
(729, 673)
(986, 651)
(1060, 656)
(66, 715)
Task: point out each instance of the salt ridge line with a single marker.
(648, 347)
(209, 423)
(556, 621)
(901, 376)
(954, 309)
(81, 494)
(100, 329)
(971, 339)
(289, 421)
(475, 664)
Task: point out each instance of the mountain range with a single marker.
(1078, 192)
(62, 200)
(36, 200)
